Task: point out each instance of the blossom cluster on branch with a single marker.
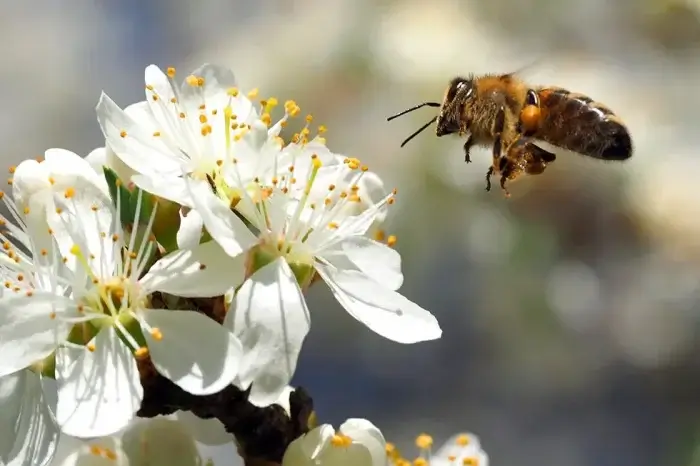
(166, 271)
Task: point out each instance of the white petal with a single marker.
(84, 219)
(172, 188)
(30, 178)
(196, 353)
(28, 333)
(139, 149)
(207, 431)
(222, 224)
(33, 429)
(376, 260)
(364, 432)
(160, 441)
(64, 166)
(304, 450)
(100, 391)
(270, 317)
(354, 454)
(203, 271)
(386, 312)
(190, 232)
(105, 451)
(97, 160)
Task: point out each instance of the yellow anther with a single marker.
(20, 277)
(420, 462)
(75, 250)
(12, 169)
(364, 168)
(233, 92)
(462, 440)
(353, 163)
(52, 181)
(173, 100)
(156, 334)
(70, 192)
(391, 200)
(253, 93)
(156, 134)
(266, 118)
(309, 118)
(44, 252)
(379, 235)
(96, 450)
(214, 112)
(206, 129)
(110, 454)
(322, 129)
(470, 462)
(154, 97)
(90, 347)
(122, 133)
(424, 441)
(182, 115)
(29, 293)
(115, 237)
(149, 87)
(9, 181)
(171, 72)
(26, 211)
(451, 458)
(191, 80)
(340, 440)
(391, 240)
(333, 225)
(141, 352)
(203, 107)
(202, 118)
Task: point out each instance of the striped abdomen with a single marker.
(577, 123)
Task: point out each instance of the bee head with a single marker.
(456, 95)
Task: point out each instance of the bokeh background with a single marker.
(570, 312)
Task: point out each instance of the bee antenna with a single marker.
(420, 130)
(424, 104)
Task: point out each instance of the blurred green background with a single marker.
(570, 312)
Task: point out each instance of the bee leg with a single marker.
(467, 148)
(498, 127)
(504, 178)
(489, 174)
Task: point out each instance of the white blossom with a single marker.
(98, 381)
(358, 442)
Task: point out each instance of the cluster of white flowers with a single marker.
(195, 195)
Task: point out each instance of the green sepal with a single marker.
(121, 197)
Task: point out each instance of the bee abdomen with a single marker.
(577, 123)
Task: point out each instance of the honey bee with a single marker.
(509, 116)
